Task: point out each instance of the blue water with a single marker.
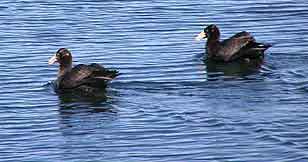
(167, 105)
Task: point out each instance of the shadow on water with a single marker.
(237, 69)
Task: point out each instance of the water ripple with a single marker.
(167, 104)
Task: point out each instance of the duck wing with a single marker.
(229, 48)
(103, 73)
(91, 75)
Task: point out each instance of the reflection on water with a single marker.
(239, 68)
(77, 102)
(80, 114)
(75, 96)
(97, 95)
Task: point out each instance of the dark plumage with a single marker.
(88, 78)
(240, 46)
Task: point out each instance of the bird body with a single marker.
(81, 77)
(240, 46)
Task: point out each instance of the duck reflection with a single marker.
(76, 110)
(72, 102)
(240, 68)
(77, 96)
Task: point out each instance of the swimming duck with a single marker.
(87, 78)
(240, 46)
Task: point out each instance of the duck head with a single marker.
(63, 56)
(211, 32)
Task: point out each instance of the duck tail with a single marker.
(111, 73)
(262, 46)
(114, 73)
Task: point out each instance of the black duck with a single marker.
(240, 46)
(87, 78)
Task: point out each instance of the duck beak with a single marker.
(200, 36)
(53, 60)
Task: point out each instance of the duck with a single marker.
(87, 78)
(240, 46)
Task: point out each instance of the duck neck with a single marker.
(64, 68)
(213, 36)
(212, 41)
(212, 45)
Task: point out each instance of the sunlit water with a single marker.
(167, 105)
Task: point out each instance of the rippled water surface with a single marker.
(168, 105)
